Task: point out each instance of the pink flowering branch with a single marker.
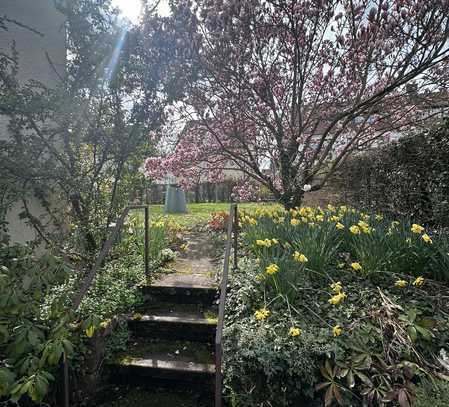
(286, 90)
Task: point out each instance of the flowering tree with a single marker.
(288, 89)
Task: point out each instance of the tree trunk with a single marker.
(292, 200)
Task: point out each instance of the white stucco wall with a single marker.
(42, 16)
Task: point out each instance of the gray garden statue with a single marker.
(175, 199)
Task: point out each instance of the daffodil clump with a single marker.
(336, 284)
(267, 242)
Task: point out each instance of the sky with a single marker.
(131, 8)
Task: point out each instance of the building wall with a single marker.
(32, 49)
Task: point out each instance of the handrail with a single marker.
(76, 301)
(232, 230)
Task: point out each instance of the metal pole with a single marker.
(236, 226)
(66, 382)
(218, 378)
(147, 246)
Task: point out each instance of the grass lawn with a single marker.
(198, 213)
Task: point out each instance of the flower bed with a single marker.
(338, 305)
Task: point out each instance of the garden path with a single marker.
(194, 267)
(171, 348)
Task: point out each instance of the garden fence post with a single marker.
(236, 225)
(147, 246)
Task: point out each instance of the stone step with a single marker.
(169, 364)
(174, 325)
(180, 294)
(148, 396)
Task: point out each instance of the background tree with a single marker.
(83, 141)
(77, 148)
(289, 89)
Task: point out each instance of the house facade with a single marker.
(36, 28)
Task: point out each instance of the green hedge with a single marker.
(407, 177)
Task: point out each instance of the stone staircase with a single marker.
(172, 335)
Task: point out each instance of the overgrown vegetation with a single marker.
(336, 305)
(33, 333)
(37, 325)
(407, 177)
(73, 148)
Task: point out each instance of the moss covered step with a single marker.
(179, 293)
(123, 396)
(171, 364)
(174, 325)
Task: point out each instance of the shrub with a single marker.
(33, 338)
(407, 177)
(114, 290)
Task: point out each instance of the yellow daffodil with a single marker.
(90, 331)
(364, 227)
(294, 331)
(319, 218)
(279, 220)
(265, 242)
(104, 324)
(356, 266)
(418, 229)
(343, 209)
(355, 230)
(418, 282)
(340, 226)
(400, 283)
(252, 221)
(331, 208)
(426, 238)
(301, 258)
(272, 269)
(334, 218)
(337, 330)
(379, 217)
(294, 222)
(337, 298)
(274, 241)
(337, 287)
(262, 314)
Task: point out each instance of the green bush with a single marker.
(114, 291)
(33, 333)
(407, 177)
